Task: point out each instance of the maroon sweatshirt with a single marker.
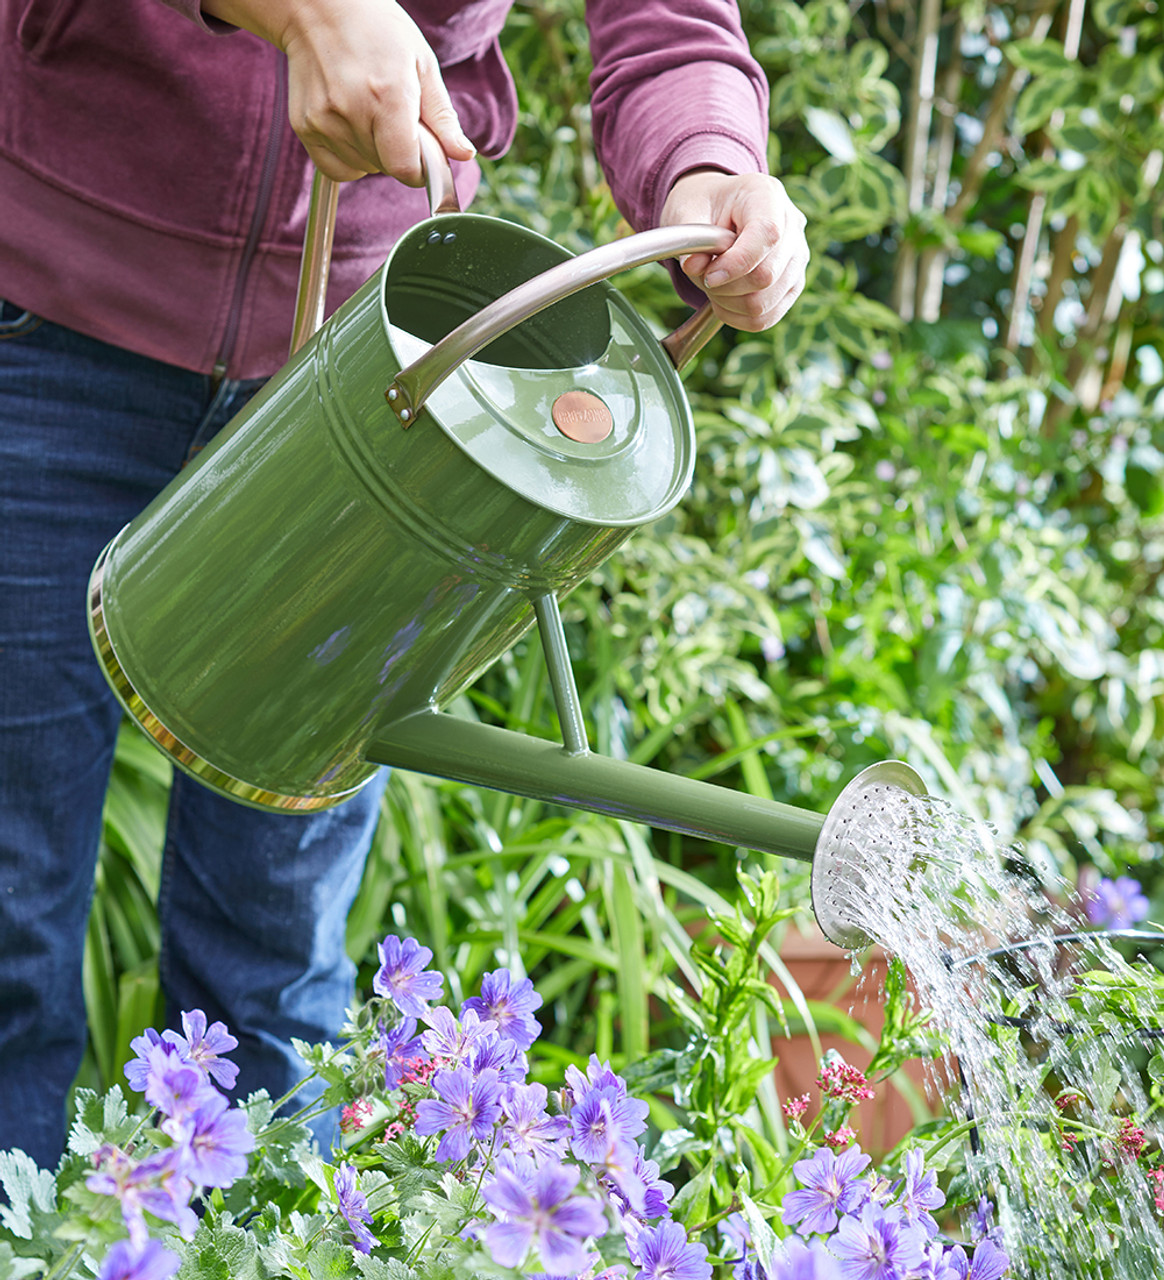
(153, 195)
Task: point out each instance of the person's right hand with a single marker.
(362, 77)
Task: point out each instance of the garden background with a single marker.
(927, 523)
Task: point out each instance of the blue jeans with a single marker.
(253, 905)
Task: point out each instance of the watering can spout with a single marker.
(482, 755)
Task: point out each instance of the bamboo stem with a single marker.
(917, 149)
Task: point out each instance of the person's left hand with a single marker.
(752, 284)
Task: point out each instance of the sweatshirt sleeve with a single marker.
(192, 9)
(674, 88)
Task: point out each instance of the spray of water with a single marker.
(1035, 1056)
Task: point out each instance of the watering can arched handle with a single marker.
(414, 384)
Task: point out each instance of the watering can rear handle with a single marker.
(320, 232)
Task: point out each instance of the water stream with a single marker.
(1035, 1055)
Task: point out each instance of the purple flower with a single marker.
(663, 1253)
(656, 1191)
(832, 1186)
(400, 976)
(937, 1265)
(981, 1223)
(801, 1260)
(598, 1076)
(618, 1166)
(164, 1189)
(527, 1128)
(401, 1046)
(502, 1056)
(217, 1143)
(920, 1194)
(601, 1119)
(541, 1208)
(158, 1185)
(510, 1005)
(353, 1204)
(877, 1245)
(451, 1039)
(1116, 904)
(150, 1260)
(205, 1046)
(467, 1109)
(147, 1047)
(988, 1263)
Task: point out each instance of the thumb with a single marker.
(437, 111)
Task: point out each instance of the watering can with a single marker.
(466, 439)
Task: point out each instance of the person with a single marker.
(155, 160)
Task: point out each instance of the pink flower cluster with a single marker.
(840, 1080)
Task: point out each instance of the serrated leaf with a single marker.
(330, 1260)
(32, 1196)
(221, 1251)
(100, 1119)
(16, 1268)
(385, 1268)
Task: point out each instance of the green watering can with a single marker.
(467, 438)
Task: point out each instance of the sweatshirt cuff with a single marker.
(700, 151)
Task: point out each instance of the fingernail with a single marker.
(714, 278)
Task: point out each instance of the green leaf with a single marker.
(32, 1196)
(691, 1202)
(16, 1268)
(221, 1251)
(99, 1119)
(1039, 57)
(1042, 97)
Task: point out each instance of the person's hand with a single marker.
(752, 284)
(361, 78)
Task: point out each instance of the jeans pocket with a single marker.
(15, 322)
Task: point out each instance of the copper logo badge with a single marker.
(582, 417)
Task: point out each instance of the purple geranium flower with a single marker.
(527, 1128)
(204, 1046)
(920, 1194)
(158, 1185)
(510, 1005)
(800, 1260)
(540, 1207)
(217, 1143)
(832, 1186)
(988, 1263)
(1117, 904)
(877, 1245)
(147, 1047)
(401, 976)
(353, 1204)
(401, 1047)
(502, 1056)
(662, 1252)
(468, 1109)
(656, 1191)
(936, 1264)
(601, 1119)
(150, 1260)
(451, 1039)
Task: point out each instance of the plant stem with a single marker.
(64, 1265)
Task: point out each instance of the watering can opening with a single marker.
(448, 269)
